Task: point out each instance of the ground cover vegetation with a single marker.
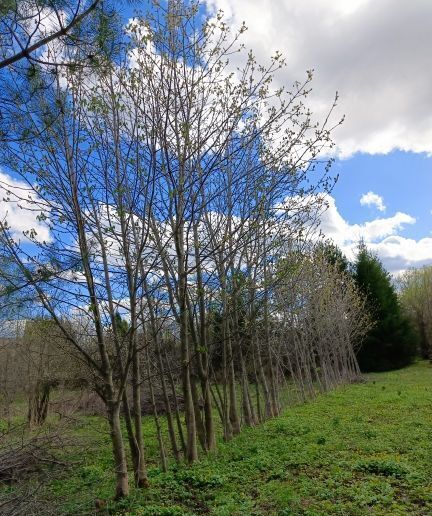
(172, 279)
(361, 449)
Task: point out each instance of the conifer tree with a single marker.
(391, 343)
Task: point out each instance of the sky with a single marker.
(377, 56)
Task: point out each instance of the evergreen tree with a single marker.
(333, 255)
(392, 342)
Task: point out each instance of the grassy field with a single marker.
(363, 449)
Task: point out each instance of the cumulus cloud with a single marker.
(18, 209)
(376, 54)
(334, 226)
(373, 199)
(399, 253)
(381, 236)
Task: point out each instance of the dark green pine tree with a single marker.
(333, 255)
(391, 343)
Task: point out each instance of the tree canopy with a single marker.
(392, 342)
(416, 300)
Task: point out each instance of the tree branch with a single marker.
(26, 52)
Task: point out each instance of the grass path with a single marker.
(363, 449)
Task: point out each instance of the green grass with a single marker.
(362, 449)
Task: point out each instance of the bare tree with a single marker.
(174, 191)
(416, 299)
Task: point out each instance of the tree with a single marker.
(40, 353)
(38, 37)
(324, 320)
(171, 185)
(416, 300)
(333, 255)
(391, 343)
(27, 27)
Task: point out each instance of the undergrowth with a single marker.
(362, 449)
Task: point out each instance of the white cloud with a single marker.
(373, 199)
(399, 253)
(19, 210)
(334, 226)
(381, 236)
(376, 54)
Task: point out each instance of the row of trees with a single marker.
(36, 359)
(416, 298)
(176, 196)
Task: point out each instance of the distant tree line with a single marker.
(416, 299)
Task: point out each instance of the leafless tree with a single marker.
(175, 188)
(416, 298)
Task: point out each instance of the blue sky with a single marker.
(376, 55)
(402, 183)
(402, 179)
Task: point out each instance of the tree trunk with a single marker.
(176, 406)
(167, 403)
(141, 479)
(122, 483)
(163, 458)
(38, 404)
(133, 447)
(191, 432)
(198, 416)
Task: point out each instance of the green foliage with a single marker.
(386, 468)
(108, 33)
(40, 326)
(122, 325)
(6, 6)
(391, 343)
(154, 510)
(362, 449)
(194, 479)
(333, 255)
